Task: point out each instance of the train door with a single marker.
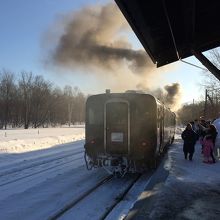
(117, 127)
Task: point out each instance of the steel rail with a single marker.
(72, 203)
(38, 172)
(38, 164)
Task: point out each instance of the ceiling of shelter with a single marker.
(170, 29)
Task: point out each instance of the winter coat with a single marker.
(189, 137)
(207, 147)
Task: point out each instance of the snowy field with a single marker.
(22, 140)
(42, 171)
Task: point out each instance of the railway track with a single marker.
(39, 172)
(119, 199)
(72, 203)
(109, 181)
(30, 164)
(55, 162)
(22, 167)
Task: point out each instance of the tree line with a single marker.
(28, 100)
(209, 107)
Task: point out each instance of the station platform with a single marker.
(180, 188)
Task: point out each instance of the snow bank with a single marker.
(21, 140)
(217, 141)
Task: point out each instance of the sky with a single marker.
(30, 31)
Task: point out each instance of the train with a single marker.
(126, 132)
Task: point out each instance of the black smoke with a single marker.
(170, 95)
(92, 40)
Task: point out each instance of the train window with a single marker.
(95, 116)
(143, 113)
(117, 113)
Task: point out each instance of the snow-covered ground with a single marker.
(25, 140)
(40, 175)
(192, 189)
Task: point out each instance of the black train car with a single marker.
(126, 132)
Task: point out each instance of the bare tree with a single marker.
(41, 101)
(32, 101)
(80, 100)
(190, 112)
(215, 57)
(68, 93)
(75, 102)
(26, 89)
(7, 91)
(58, 107)
(211, 87)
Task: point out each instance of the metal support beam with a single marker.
(207, 63)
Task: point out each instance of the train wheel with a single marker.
(153, 163)
(117, 174)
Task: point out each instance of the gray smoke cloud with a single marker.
(172, 93)
(169, 95)
(93, 39)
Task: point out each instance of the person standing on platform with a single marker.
(212, 131)
(207, 149)
(189, 137)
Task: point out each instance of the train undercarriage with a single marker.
(116, 165)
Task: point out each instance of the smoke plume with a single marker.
(170, 95)
(93, 40)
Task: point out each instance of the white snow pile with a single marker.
(21, 140)
(192, 189)
(217, 141)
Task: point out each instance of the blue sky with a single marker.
(23, 24)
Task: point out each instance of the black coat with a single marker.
(189, 137)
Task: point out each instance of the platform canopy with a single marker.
(171, 30)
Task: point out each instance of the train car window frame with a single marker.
(94, 116)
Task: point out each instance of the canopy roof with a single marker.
(170, 30)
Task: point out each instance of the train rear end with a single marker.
(115, 139)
